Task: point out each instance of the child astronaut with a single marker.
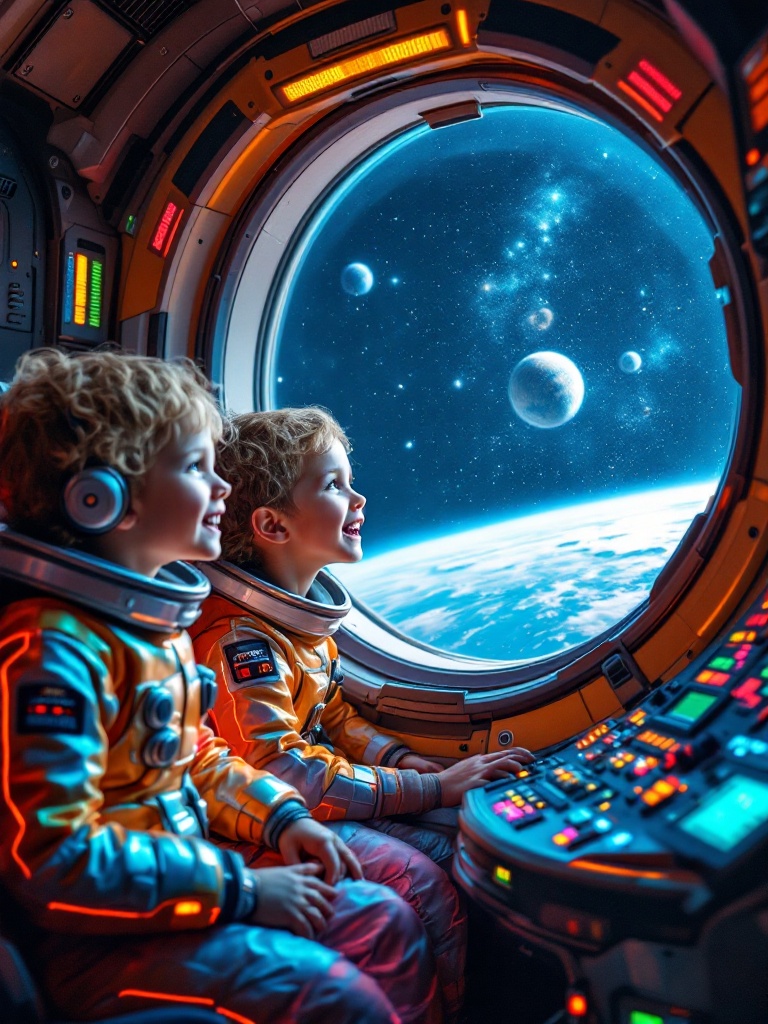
(110, 781)
(267, 633)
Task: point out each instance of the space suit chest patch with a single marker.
(46, 709)
(250, 661)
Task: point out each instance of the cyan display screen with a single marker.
(731, 813)
(692, 706)
(514, 319)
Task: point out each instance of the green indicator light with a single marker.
(641, 1017)
(722, 664)
(764, 674)
(130, 224)
(502, 875)
(94, 302)
(692, 706)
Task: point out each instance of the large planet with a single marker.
(630, 362)
(532, 585)
(546, 389)
(356, 279)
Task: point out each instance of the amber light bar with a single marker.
(756, 74)
(365, 63)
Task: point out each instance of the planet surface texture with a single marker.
(546, 389)
(531, 586)
(356, 279)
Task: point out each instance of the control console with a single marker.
(639, 851)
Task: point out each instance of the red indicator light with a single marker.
(658, 99)
(757, 621)
(753, 157)
(650, 89)
(660, 79)
(166, 229)
(576, 1005)
(748, 693)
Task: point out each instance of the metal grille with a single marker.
(149, 16)
(7, 187)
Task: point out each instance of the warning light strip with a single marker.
(653, 72)
(383, 56)
(650, 89)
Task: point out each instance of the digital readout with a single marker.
(728, 815)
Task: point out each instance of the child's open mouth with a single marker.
(213, 522)
(353, 529)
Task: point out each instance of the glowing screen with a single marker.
(692, 706)
(728, 815)
(514, 319)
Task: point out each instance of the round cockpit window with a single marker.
(514, 319)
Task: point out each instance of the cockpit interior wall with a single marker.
(172, 172)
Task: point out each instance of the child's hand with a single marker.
(419, 764)
(479, 770)
(293, 898)
(307, 839)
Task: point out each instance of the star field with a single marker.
(530, 229)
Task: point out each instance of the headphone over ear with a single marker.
(96, 499)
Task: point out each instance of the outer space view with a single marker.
(514, 320)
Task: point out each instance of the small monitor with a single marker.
(728, 815)
(692, 706)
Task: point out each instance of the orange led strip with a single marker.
(639, 100)
(383, 56)
(25, 637)
(462, 25)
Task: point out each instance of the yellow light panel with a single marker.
(462, 25)
(81, 287)
(187, 908)
(382, 57)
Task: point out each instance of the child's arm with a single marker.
(258, 718)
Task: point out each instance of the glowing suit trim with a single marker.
(71, 908)
(317, 616)
(138, 993)
(7, 752)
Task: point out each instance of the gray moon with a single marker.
(546, 389)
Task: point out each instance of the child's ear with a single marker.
(128, 521)
(268, 525)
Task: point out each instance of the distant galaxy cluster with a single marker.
(509, 314)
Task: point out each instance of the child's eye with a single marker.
(194, 467)
(333, 485)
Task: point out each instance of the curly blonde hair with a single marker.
(262, 458)
(63, 412)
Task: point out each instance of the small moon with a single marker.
(546, 389)
(630, 362)
(356, 279)
(541, 319)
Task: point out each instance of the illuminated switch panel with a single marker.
(593, 736)
(660, 792)
(576, 784)
(658, 741)
(519, 806)
(753, 691)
